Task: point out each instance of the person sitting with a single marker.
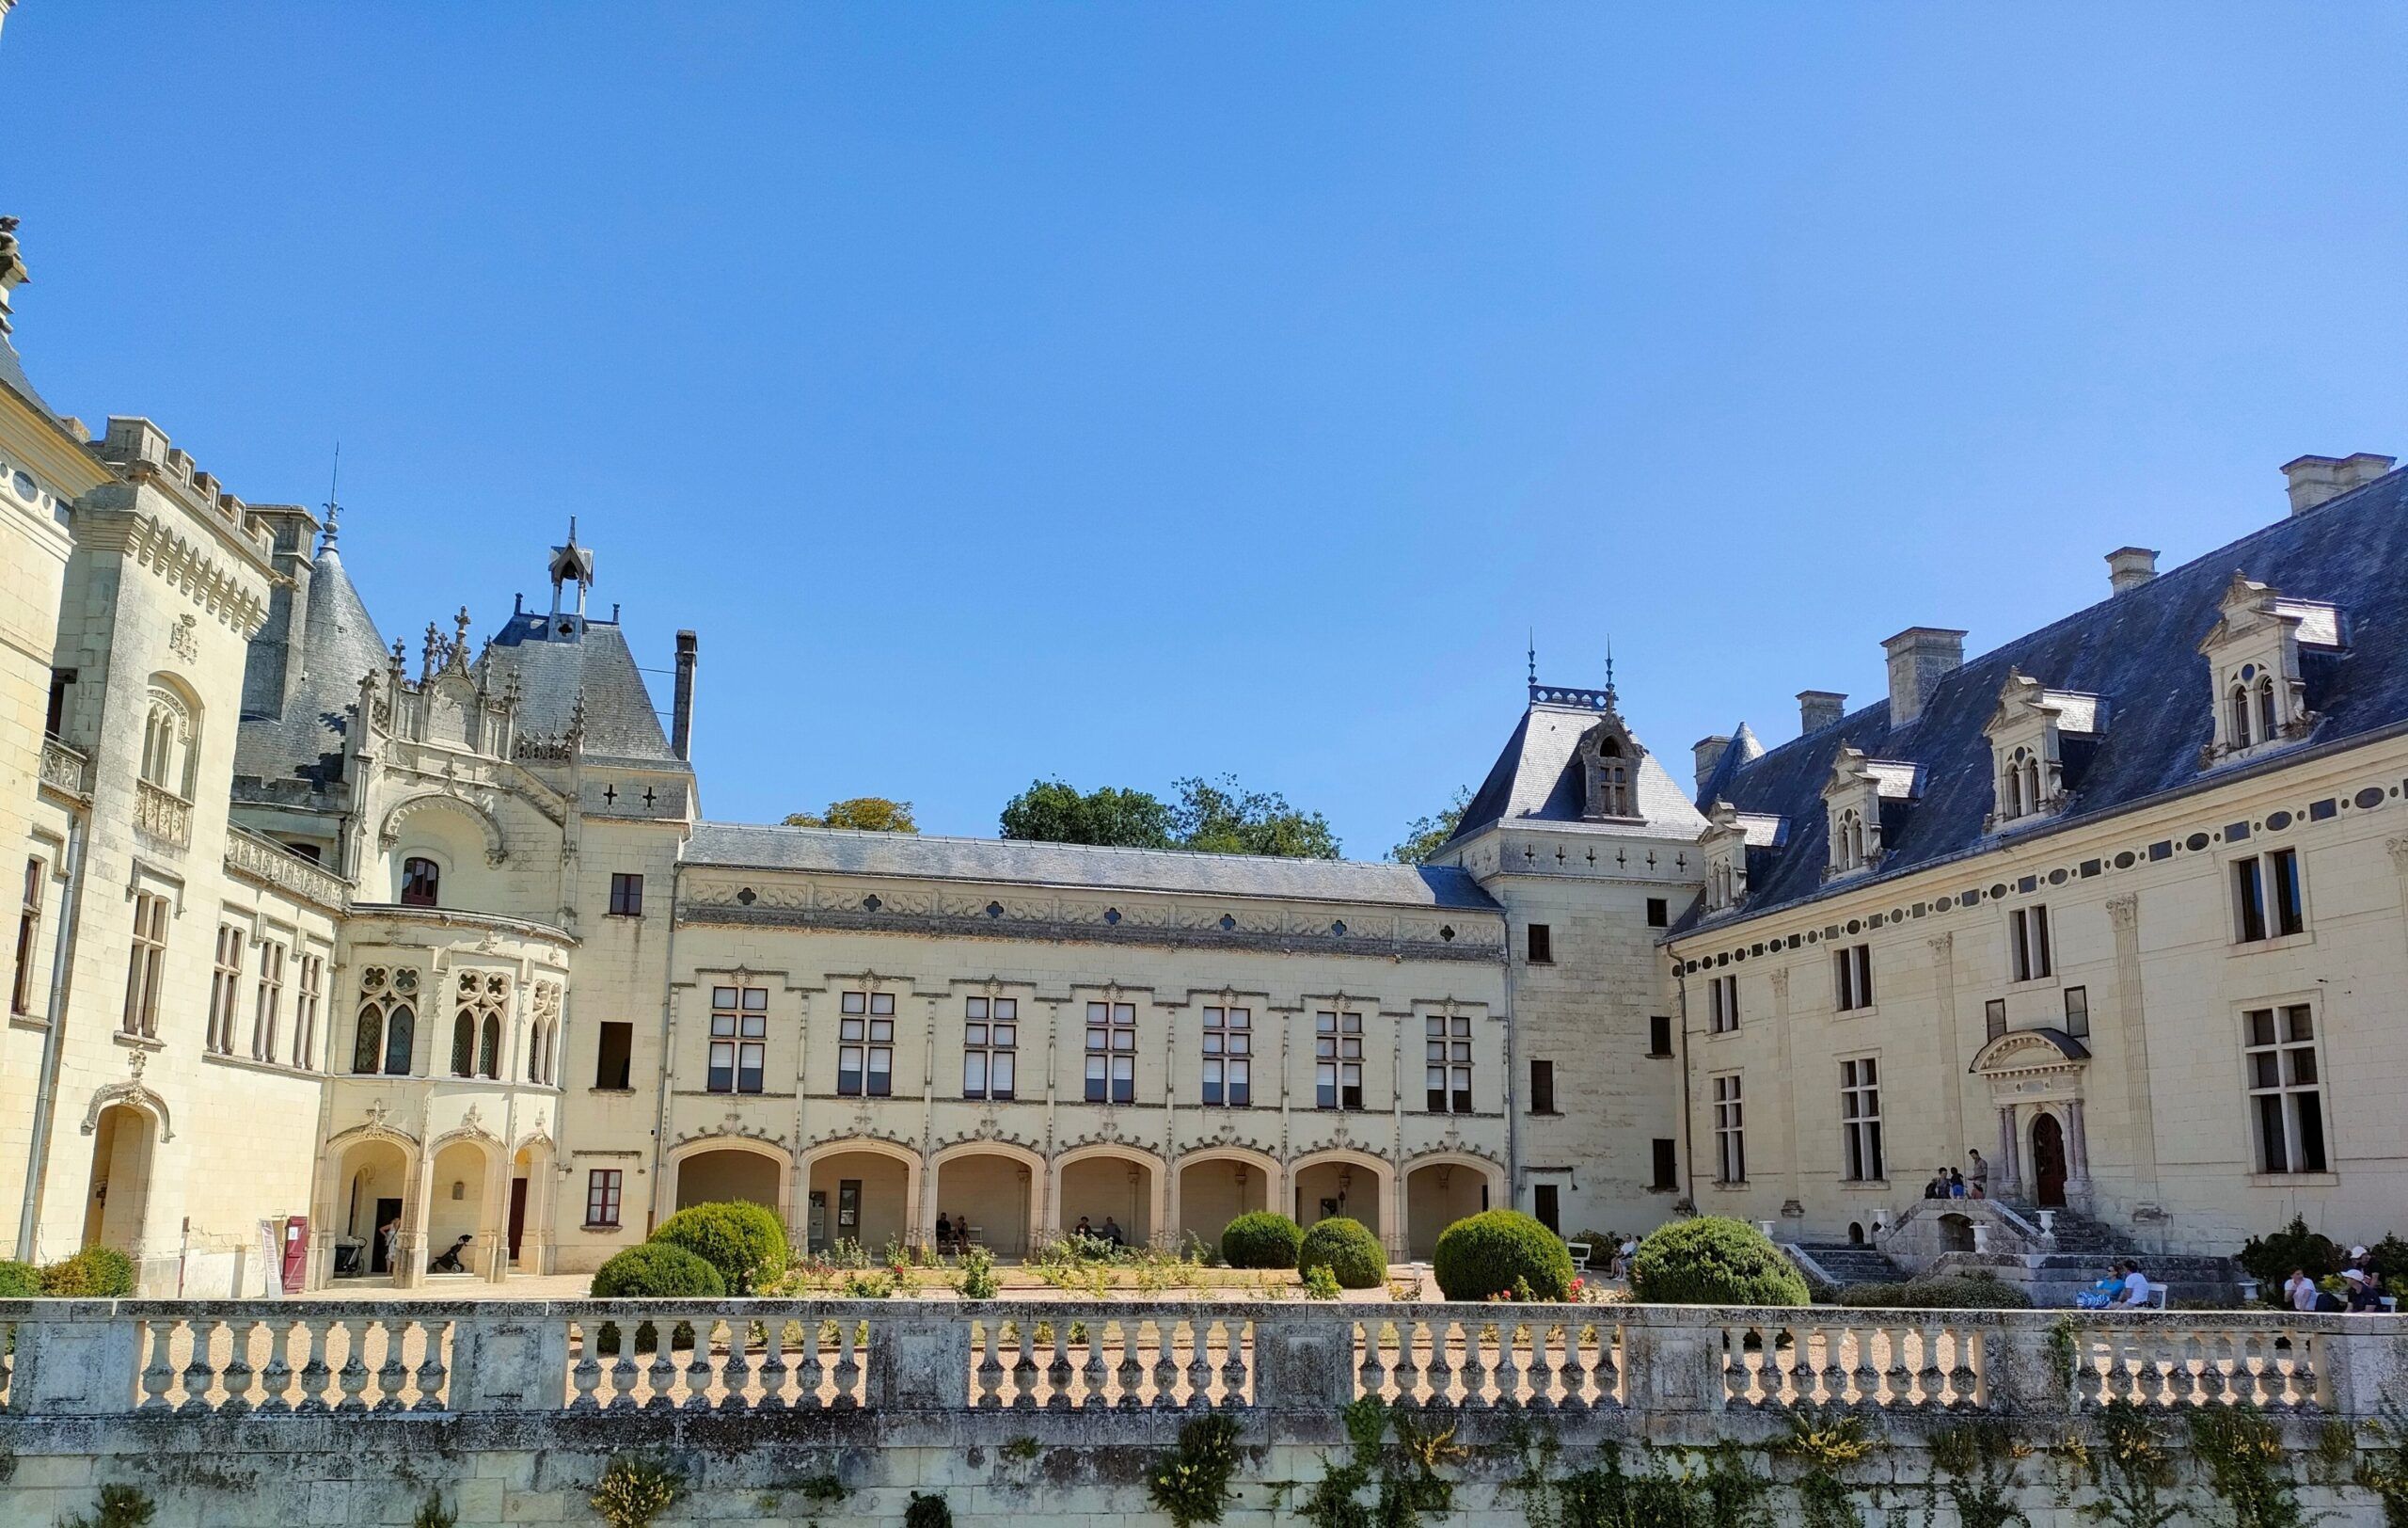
(2136, 1286)
(1938, 1188)
(2301, 1293)
(1082, 1229)
(1112, 1230)
(1955, 1184)
(944, 1231)
(2100, 1294)
(2365, 1290)
(448, 1261)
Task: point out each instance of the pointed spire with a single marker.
(1534, 655)
(1611, 702)
(334, 507)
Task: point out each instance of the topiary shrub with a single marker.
(1348, 1249)
(1496, 1251)
(744, 1242)
(1261, 1239)
(1713, 1261)
(1948, 1292)
(96, 1273)
(19, 1280)
(654, 1271)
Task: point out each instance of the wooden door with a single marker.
(2047, 1163)
(518, 1214)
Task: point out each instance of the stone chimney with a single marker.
(1920, 657)
(1819, 709)
(2129, 567)
(681, 714)
(2316, 480)
(1708, 753)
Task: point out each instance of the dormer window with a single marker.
(1609, 759)
(2036, 736)
(1725, 847)
(2253, 655)
(1852, 802)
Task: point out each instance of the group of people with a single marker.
(1972, 1181)
(2127, 1289)
(1109, 1231)
(953, 1232)
(2362, 1287)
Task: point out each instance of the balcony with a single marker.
(162, 815)
(63, 769)
(265, 860)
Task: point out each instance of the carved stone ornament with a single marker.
(2124, 912)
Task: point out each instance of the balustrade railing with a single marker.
(65, 769)
(268, 1359)
(161, 815)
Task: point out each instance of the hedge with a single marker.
(1349, 1250)
(746, 1243)
(100, 1273)
(1713, 1261)
(1495, 1250)
(1261, 1239)
(19, 1280)
(1959, 1292)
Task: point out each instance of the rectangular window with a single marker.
(1542, 1087)
(602, 1196)
(1542, 946)
(225, 989)
(1446, 1049)
(62, 683)
(2286, 1087)
(1852, 977)
(2078, 1011)
(1544, 1209)
(2267, 899)
(1660, 1034)
(614, 1055)
(1659, 912)
(739, 1039)
(1229, 1057)
(1730, 1131)
(865, 1045)
(306, 1003)
(626, 895)
(989, 1048)
(1994, 1018)
(21, 995)
(1722, 1005)
(2027, 943)
(1667, 1166)
(142, 966)
(1337, 1060)
(1112, 1053)
(268, 1011)
(1861, 1120)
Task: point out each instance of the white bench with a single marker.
(1579, 1251)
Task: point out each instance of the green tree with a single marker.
(869, 814)
(1221, 817)
(1423, 835)
(1052, 811)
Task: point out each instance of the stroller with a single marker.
(449, 1260)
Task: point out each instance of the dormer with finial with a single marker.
(570, 563)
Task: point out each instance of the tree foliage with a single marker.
(865, 814)
(1424, 835)
(1055, 812)
(1218, 817)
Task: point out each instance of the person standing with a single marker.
(1979, 1175)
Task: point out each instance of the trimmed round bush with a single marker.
(746, 1243)
(1261, 1239)
(1490, 1253)
(19, 1280)
(657, 1270)
(1949, 1292)
(96, 1273)
(1348, 1249)
(1713, 1261)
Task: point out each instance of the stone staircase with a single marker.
(1839, 1263)
(2052, 1265)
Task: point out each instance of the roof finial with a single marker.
(334, 508)
(1534, 655)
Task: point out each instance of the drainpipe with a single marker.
(62, 962)
(1512, 1111)
(1688, 1145)
(668, 995)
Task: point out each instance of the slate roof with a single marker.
(304, 739)
(1082, 866)
(2139, 652)
(1537, 778)
(12, 376)
(620, 722)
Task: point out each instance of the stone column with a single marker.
(2077, 1150)
(2132, 1038)
(2010, 1155)
(1952, 1069)
(1784, 1095)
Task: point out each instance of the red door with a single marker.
(2047, 1163)
(518, 1214)
(296, 1253)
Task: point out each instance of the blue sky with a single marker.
(1131, 391)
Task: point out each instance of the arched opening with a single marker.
(859, 1195)
(1334, 1186)
(2048, 1162)
(464, 1044)
(986, 1200)
(373, 1186)
(2240, 716)
(1956, 1234)
(1856, 1233)
(2266, 706)
(421, 882)
(489, 1048)
(170, 739)
(1111, 1192)
(524, 1231)
(462, 1173)
(1214, 1192)
(116, 1203)
(730, 1174)
(1436, 1196)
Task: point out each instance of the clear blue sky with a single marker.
(1130, 391)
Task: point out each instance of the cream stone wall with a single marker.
(2141, 907)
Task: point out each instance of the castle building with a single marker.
(337, 960)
